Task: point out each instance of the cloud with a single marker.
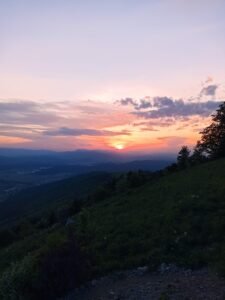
(148, 128)
(17, 106)
(146, 102)
(162, 101)
(37, 121)
(143, 104)
(209, 90)
(65, 131)
(19, 112)
(179, 108)
(163, 122)
(127, 101)
(167, 107)
(170, 141)
(162, 107)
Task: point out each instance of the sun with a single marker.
(119, 146)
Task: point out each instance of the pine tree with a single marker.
(183, 157)
(197, 156)
(212, 142)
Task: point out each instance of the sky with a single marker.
(130, 75)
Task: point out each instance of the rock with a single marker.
(142, 270)
(165, 268)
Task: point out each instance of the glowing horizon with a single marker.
(129, 76)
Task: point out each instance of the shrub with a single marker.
(16, 282)
(46, 274)
(61, 269)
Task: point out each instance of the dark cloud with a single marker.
(209, 90)
(65, 131)
(147, 103)
(162, 107)
(127, 101)
(162, 101)
(143, 104)
(179, 108)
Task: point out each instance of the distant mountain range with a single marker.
(22, 168)
(25, 157)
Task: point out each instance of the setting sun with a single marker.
(119, 146)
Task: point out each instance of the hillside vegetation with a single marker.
(133, 220)
(178, 218)
(50, 196)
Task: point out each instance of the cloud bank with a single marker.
(65, 131)
(162, 107)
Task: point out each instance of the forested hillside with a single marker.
(135, 219)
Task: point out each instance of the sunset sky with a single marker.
(129, 75)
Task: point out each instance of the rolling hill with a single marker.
(44, 197)
(176, 218)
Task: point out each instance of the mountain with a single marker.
(27, 157)
(22, 198)
(178, 218)
(137, 220)
(38, 199)
(145, 165)
(19, 170)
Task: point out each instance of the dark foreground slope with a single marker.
(173, 284)
(176, 218)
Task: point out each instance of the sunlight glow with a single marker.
(119, 146)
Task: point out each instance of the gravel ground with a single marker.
(169, 283)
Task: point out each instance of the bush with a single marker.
(60, 270)
(16, 282)
(46, 274)
(7, 237)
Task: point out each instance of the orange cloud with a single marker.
(9, 140)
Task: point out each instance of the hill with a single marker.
(30, 157)
(176, 218)
(44, 197)
(19, 173)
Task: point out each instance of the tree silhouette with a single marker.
(198, 156)
(183, 157)
(212, 143)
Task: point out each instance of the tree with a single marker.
(172, 168)
(212, 143)
(198, 155)
(183, 157)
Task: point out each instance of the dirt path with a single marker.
(139, 284)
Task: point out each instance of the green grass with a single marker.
(178, 218)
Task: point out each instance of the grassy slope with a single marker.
(179, 218)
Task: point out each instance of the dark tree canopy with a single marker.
(197, 155)
(212, 142)
(183, 157)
